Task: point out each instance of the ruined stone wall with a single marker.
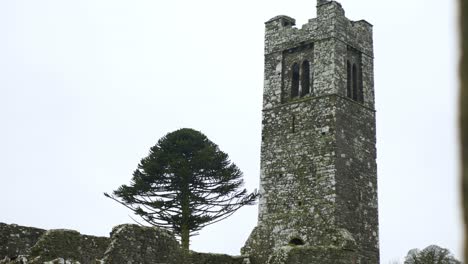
(128, 244)
(145, 245)
(17, 240)
(208, 258)
(68, 244)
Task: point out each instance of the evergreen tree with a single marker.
(184, 184)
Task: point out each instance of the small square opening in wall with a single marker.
(324, 130)
(296, 242)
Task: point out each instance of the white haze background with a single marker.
(87, 87)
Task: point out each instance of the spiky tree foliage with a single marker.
(184, 184)
(430, 255)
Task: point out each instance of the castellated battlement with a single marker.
(321, 43)
(331, 22)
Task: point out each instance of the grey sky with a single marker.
(87, 87)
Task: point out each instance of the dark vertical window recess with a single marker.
(360, 87)
(354, 78)
(305, 81)
(349, 92)
(295, 80)
(311, 69)
(355, 83)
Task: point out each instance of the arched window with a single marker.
(355, 83)
(354, 78)
(305, 81)
(360, 88)
(349, 92)
(295, 81)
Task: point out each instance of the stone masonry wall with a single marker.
(207, 258)
(143, 245)
(356, 181)
(17, 240)
(68, 244)
(128, 244)
(313, 255)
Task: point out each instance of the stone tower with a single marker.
(318, 179)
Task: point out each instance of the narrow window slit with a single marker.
(295, 81)
(348, 83)
(305, 82)
(360, 86)
(355, 83)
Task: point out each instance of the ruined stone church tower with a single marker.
(318, 179)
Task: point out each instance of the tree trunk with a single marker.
(185, 231)
(185, 238)
(185, 227)
(464, 109)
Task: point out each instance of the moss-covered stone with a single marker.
(17, 240)
(143, 245)
(128, 244)
(312, 255)
(68, 245)
(209, 258)
(16, 260)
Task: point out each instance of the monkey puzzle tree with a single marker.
(184, 184)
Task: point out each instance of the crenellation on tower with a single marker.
(330, 33)
(318, 177)
(280, 21)
(329, 9)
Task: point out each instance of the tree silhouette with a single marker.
(184, 184)
(430, 255)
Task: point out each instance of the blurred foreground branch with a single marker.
(463, 5)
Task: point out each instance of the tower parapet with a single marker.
(331, 33)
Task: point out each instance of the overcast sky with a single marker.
(87, 87)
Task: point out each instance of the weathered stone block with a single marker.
(68, 245)
(133, 244)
